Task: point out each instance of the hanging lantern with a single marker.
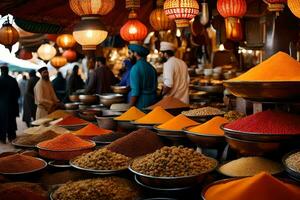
(294, 6)
(181, 10)
(70, 55)
(132, 4)
(133, 30)
(8, 35)
(52, 37)
(204, 14)
(89, 32)
(46, 52)
(275, 5)
(65, 41)
(58, 61)
(24, 54)
(158, 19)
(232, 10)
(91, 7)
(234, 29)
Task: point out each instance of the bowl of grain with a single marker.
(203, 114)
(291, 162)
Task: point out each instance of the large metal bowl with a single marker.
(74, 98)
(88, 99)
(72, 106)
(213, 89)
(172, 182)
(107, 121)
(111, 98)
(265, 91)
(89, 114)
(259, 136)
(253, 148)
(291, 172)
(120, 89)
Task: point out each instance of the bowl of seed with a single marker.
(172, 167)
(203, 114)
(291, 162)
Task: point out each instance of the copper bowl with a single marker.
(252, 148)
(74, 98)
(120, 89)
(88, 99)
(64, 154)
(265, 91)
(72, 106)
(111, 98)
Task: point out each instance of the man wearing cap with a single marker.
(143, 78)
(175, 74)
(44, 95)
(9, 108)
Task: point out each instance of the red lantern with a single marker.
(70, 55)
(24, 54)
(232, 8)
(133, 30)
(58, 61)
(234, 29)
(275, 5)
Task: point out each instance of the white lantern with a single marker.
(89, 32)
(46, 52)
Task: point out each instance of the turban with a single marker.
(42, 69)
(142, 51)
(167, 46)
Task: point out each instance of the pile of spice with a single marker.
(177, 123)
(250, 166)
(211, 127)
(41, 129)
(71, 120)
(202, 112)
(173, 162)
(102, 159)
(279, 67)
(259, 187)
(293, 161)
(34, 139)
(132, 114)
(233, 115)
(110, 188)
(58, 114)
(91, 130)
(17, 163)
(169, 103)
(267, 122)
(108, 138)
(157, 116)
(137, 143)
(65, 142)
(22, 190)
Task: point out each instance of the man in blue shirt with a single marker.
(143, 78)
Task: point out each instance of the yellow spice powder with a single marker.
(132, 114)
(177, 123)
(211, 127)
(157, 116)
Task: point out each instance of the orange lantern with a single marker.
(70, 55)
(24, 54)
(232, 10)
(294, 6)
(181, 10)
(65, 41)
(8, 35)
(91, 7)
(58, 61)
(133, 30)
(158, 19)
(234, 29)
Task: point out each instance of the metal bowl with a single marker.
(126, 125)
(147, 126)
(72, 106)
(64, 154)
(172, 182)
(60, 164)
(252, 148)
(214, 89)
(111, 98)
(22, 145)
(204, 118)
(169, 133)
(89, 114)
(26, 172)
(209, 141)
(258, 136)
(88, 99)
(107, 122)
(265, 91)
(120, 89)
(291, 172)
(74, 98)
(100, 172)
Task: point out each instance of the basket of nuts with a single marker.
(172, 167)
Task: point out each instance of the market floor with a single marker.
(9, 147)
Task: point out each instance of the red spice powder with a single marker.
(65, 142)
(268, 122)
(71, 120)
(92, 130)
